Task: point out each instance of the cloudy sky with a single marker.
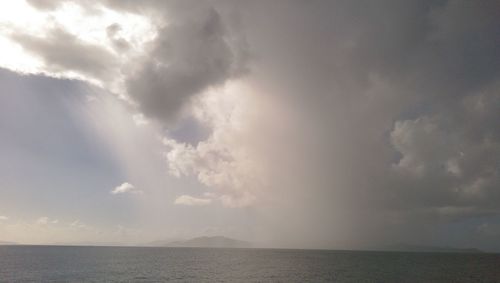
(310, 124)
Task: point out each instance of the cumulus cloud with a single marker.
(221, 161)
(424, 146)
(126, 188)
(190, 54)
(452, 154)
(192, 201)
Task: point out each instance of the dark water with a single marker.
(121, 264)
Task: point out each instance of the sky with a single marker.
(303, 124)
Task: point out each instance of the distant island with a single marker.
(430, 249)
(206, 242)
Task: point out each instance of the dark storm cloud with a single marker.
(400, 107)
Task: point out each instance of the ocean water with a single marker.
(142, 264)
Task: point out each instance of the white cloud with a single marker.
(3, 218)
(139, 119)
(20, 19)
(126, 188)
(192, 201)
(44, 220)
(224, 161)
(78, 225)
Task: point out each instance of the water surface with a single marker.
(144, 264)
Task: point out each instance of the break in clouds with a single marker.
(341, 123)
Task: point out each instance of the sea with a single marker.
(151, 264)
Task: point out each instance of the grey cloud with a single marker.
(45, 4)
(118, 42)
(62, 51)
(194, 51)
(91, 7)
